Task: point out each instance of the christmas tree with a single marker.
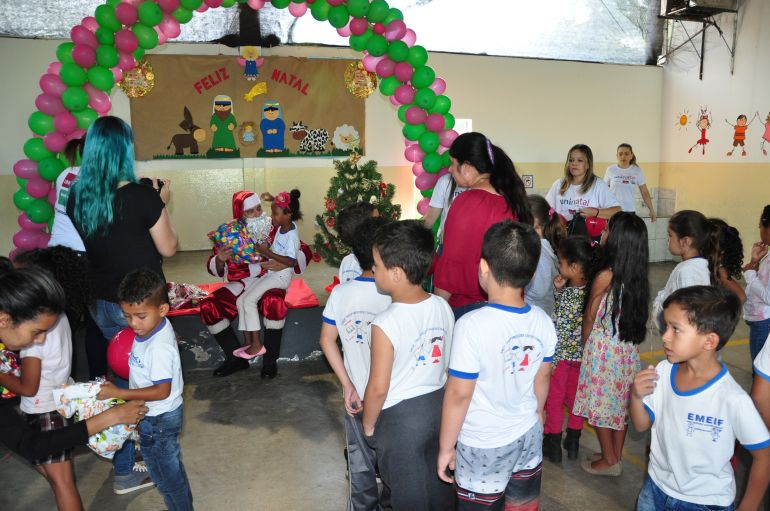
(353, 183)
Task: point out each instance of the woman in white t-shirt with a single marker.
(623, 179)
(63, 232)
(445, 191)
(580, 192)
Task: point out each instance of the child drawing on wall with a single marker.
(704, 123)
(766, 135)
(739, 137)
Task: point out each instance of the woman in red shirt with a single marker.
(495, 193)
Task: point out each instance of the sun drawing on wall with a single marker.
(683, 120)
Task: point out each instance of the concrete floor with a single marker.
(252, 444)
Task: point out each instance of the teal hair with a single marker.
(108, 159)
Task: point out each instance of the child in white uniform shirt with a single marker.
(756, 310)
(348, 221)
(551, 229)
(697, 410)
(155, 376)
(349, 313)
(492, 421)
(410, 349)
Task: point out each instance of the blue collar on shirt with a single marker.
(155, 331)
(364, 279)
(696, 390)
(508, 308)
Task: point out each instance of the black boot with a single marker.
(551, 447)
(572, 443)
(272, 343)
(229, 343)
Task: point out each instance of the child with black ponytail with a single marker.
(552, 230)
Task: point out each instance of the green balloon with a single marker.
(446, 160)
(63, 159)
(64, 53)
(320, 10)
(183, 15)
(86, 117)
(432, 161)
(425, 98)
(191, 4)
(449, 121)
(113, 3)
(34, 149)
(107, 56)
(389, 85)
(105, 17)
(338, 16)
(377, 45)
(423, 76)
(428, 192)
(74, 98)
(73, 75)
(105, 35)
(149, 13)
(281, 4)
(398, 51)
(138, 53)
(39, 210)
(102, 78)
(229, 3)
(22, 182)
(377, 12)
(441, 106)
(418, 56)
(50, 168)
(358, 8)
(359, 42)
(429, 141)
(147, 37)
(393, 15)
(40, 123)
(413, 131)
(402, 112)
(21, 199)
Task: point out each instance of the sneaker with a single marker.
(136, 480)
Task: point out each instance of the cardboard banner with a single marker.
(230, 107)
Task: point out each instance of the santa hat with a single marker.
(244, 200)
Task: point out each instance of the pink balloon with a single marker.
(415, 115)
(38, 187)
(204, 7)
(81, 35)
(54, 68)
(256, 4)
(422, 206)
(126, 13)
(170, 26)
(126, 61)
(378, 28)
(135, 3)
(385, 67)
(343, 31)
(425, 181)
(161, 37)
(98, 100)
(90, 23)
(438, 86)
(168, 6)
(117, 74)
(25, 169)
(442, 172)
(404, 93)
(25, 239)
(410, 37)
(414, 153)
(65, 122)
(213, 3)
(394, 101)
(404, 71)
(78, 133)
(370, 62)
(42, 240)
(395, 30)
(435, 122)
(83, 55)
(335, 2)
(417, 169)
(51, 84)
(125, 41)
(298, 10)
(26, 223)
(54, 141)
(446, 137)
(49, 104)
(52, 195)
(358, 26)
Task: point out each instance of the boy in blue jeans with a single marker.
(499, 371)
(697, 410)
(155, 376)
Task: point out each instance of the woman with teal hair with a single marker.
(124, 226)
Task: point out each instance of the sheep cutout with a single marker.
(346, 138)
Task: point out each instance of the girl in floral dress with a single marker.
(613, 326)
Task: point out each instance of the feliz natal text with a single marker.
(210, 80)
(291, 80)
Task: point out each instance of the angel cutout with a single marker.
(251, 62)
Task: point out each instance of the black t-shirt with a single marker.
(126, 245)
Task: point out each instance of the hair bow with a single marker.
(282, 200)
(551, 212)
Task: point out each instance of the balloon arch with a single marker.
(75, 87)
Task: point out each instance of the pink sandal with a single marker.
(242, 353)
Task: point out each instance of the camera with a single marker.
(149, 182)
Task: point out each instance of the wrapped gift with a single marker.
(235, 236)
(181, 294)
(79, 400)
(9, 364)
